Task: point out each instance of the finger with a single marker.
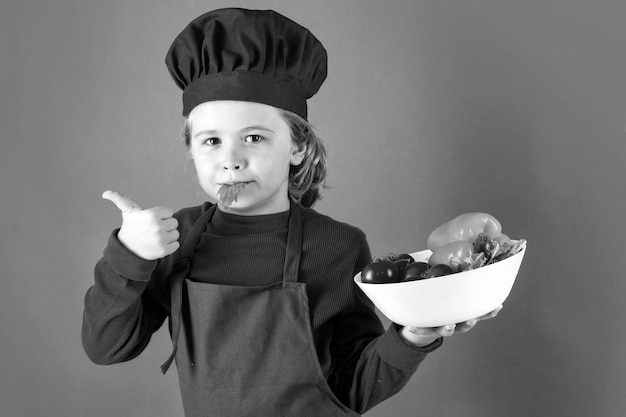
(123, 203)
(172, 236)
(447, 330)
(491, 314)
(424, 331)
(162, 212)
(169, 224)
(172, 247)
(465, 326)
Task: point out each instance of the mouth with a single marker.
(231, 183)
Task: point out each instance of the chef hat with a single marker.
(247, 55)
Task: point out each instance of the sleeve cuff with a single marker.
(397, 353)
(125, 263)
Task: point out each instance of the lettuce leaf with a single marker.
(227, 194)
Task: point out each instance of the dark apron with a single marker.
(247, 351)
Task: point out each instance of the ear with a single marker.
(297, 154)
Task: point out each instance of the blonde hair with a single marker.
(307, 179)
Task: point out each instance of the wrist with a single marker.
(417, 340)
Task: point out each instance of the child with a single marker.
(264, 316)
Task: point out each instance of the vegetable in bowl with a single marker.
(469, 241)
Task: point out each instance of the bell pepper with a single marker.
(459, 248)
(465, 227)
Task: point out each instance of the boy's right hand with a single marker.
(148, 233)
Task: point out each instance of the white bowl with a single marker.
(448, 299)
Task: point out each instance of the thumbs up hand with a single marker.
(148, 233)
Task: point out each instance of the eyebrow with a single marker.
(267, 129)
(245, 129)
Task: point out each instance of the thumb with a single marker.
(122, 202)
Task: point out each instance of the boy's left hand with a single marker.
(424, 336)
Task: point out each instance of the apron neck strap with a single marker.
(294, 244)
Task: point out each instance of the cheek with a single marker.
(201, 160)
(279, 168)
(204, 168)
(206, 182)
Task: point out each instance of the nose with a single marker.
(233, 158)
(231, 167)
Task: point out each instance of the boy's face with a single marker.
(238, 141)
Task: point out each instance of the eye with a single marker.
(211, 141)
(253, 138)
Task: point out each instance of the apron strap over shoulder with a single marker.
(294, 244)
(181, 270)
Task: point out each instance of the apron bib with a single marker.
(247, 351)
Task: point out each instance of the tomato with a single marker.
(402, 261)
(439, 270)
(380, 272)
(414, 271)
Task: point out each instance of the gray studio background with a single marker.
(430, 109)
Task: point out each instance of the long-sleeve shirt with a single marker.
(363, 363)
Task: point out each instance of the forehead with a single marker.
(218, 115)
